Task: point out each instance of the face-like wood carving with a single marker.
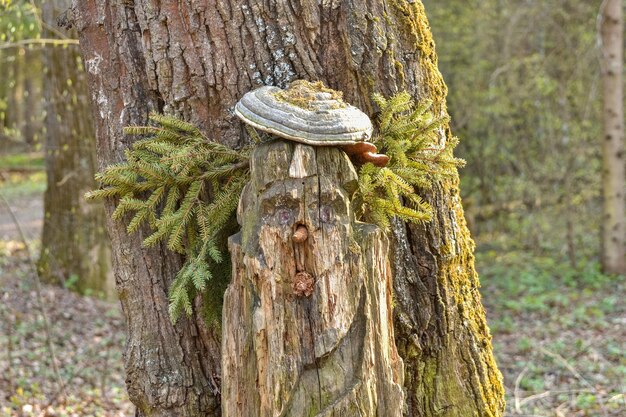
(307, 319)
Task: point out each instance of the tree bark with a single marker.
(12, 97)
(307, 318)
(74, 243)
(614, 173)
(32, 99)
(195, 59)
(18, 94)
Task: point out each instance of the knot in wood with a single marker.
(303, 284)
(301, 234)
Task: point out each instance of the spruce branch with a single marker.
(411, 135)
(185, 188)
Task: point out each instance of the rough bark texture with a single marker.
(195, 59)
(614, 171)
(74, 241)
(307, 325)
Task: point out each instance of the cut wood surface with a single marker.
(307, 327)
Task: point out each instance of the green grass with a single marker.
(22, 185)
(558, 334)
(29, 161)
(22, 175)
(523, 282)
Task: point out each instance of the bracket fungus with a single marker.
(313, 114)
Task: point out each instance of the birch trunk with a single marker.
(195, 59)
(614, 171)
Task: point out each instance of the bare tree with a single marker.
(614, 174)
(195, 59)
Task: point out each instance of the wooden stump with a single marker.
(307, 323)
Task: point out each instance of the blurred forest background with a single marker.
(525, 96)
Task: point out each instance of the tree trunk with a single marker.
(12, 62)
(33, 93)
(74, 244)
(4, 102)
(195, 59)
(308, 330)
(18, 94)
(614, 174)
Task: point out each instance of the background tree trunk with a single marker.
(33, 100)
(17, 92)
(20, 99)
(195, 59)
(614, 173)
(12, 100)
(74, 243)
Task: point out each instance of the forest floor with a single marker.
(86, 334)
(22, 183)
(559, 334)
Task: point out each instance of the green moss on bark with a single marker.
(450, 369)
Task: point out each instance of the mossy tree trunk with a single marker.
(195, 59)
(74, 244)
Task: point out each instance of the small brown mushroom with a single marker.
(378, 159)
(359, 148)
(366, 152)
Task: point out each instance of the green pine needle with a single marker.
(411, 135)
(185, 188)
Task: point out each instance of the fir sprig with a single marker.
(411, 135)
(185, 187)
